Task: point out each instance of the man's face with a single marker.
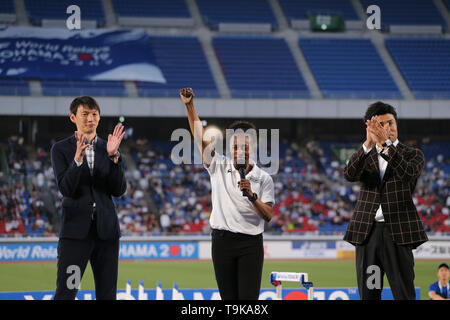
(443, 274)
(241, 147)
(388, 122)
(86, 119)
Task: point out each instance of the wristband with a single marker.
(115, 155)
(254, 197)
(387, 143)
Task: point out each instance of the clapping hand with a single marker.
(114, 140)
(81, 146)
(379, 134)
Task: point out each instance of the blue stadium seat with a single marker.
(348, 68)
(14, 87)
(259, 67)
(7, 6)
(294, 9)
(435, 148)
(56, 9)
(151, 8)
(425, 65)
(447, 3)
(236, 11)
(183, 64)
(407, 12)
(83, 87)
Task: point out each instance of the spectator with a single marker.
(440, 290)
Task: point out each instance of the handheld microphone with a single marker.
(241, 165)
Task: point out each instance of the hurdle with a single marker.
(277, 277)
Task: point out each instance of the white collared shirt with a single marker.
(232, 211)
(448, 288)
(382, 164)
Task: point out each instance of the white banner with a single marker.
(433, 250)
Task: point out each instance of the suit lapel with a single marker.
(389, 171)
(73, 141)
(373, 160)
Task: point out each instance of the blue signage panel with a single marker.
(17, 252)
(203, 294)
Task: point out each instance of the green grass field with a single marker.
(198, 274)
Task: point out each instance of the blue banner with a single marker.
(159, 250)
(77, 54)
(204, 294)
(15, 252)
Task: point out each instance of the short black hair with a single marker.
(242, 124)
(443, 265)
(87, 101)
(379, 108)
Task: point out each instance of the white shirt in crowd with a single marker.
(382, 165)
(232, 211)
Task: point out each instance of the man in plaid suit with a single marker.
(385, 226)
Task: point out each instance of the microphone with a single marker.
(241, 165)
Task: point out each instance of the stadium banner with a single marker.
(300, 249)
(43, 53)
(428, 250)
(433, 250)
(203, 294)
(17, 252)
(288, 249)
(158, 250)
(165, 248)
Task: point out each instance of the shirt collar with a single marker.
(440, 285)
(94, 141)
(255, 169)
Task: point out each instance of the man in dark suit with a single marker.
(89, 172)
(385, 226)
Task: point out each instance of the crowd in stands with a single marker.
(22, 211)
(162, 198)
(432, 196)
(182, 193)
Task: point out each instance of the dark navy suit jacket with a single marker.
(81, 190)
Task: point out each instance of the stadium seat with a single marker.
(39, 10)
(236, 11)
(7, 6)
(348, 68)
(411, 12)
(425, 65)
(7, 11)
(183, 64)
(151, 8)
(83, 87)
(259, 67)
(14, 87)
(447, 3)
(294, 9)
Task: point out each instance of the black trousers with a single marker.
(103, 256)
(238, 262)
(381, 255)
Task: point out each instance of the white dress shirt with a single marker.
(382, 164)
(90, 157)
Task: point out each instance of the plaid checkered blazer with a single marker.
(394, 193)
